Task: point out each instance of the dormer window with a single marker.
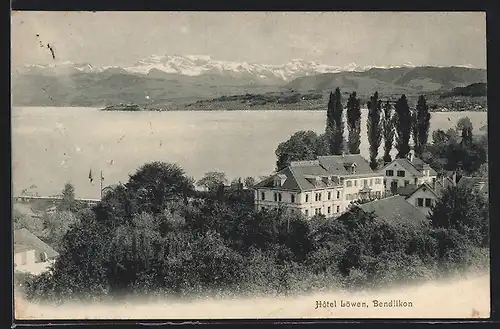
(279, 180)
(353, 168)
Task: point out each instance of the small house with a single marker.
(32, 255)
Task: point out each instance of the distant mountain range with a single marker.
(399, 80)
(171, 80)
(195, 65)
(472, 90)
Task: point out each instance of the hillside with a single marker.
(392, 80)
(115, 86)
(472, 90)
(87, 86)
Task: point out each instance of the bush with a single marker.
(205, 244)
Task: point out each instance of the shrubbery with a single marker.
(161, 238)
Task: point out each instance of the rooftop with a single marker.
(394, 210)
(313, 174)
(415, 167)
(340, 164)
(25, 238)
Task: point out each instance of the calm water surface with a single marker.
(52, 146)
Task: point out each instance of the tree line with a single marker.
(391, 124)
(156, 235)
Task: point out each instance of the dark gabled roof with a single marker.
(28, 239)
(407, 190)
(300, 176)
(423, 186)
(339, 164)
(415, 167)
(394, 210)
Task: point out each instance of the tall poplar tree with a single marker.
(354, 123)
(335, 125)
(388, 124)
(403, 125)
(374, 127)
(422, 124)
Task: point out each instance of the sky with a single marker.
(334, 38)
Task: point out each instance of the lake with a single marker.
(52, 146)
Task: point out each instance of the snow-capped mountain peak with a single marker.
(199, 64)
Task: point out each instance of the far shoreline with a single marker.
(101, 109)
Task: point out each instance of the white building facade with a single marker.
(407, 171)
(325, 186)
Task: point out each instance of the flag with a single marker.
(90, 176)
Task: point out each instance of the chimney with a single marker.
(411, 156)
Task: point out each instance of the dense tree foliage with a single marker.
(453, 151)
(335, 123)
(403, 126)
(303, 145)
(374, 128)
(421, 126)
(212, 181)
(217, 244)
(354, 124)
(388, 131)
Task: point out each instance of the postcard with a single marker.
(239, 165)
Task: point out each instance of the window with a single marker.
(306, 212)
(416, 181)
(317, 211)
(329, 210)
(365, 182)
(407, 182)
(401, 173)
(385, 183)
(279, 197)
(292, 198)
(420, 202)
(371, 181)
(389, 172)
(338, 208)
(348, 183)
(434, 182)
(338, 194)
(262, 195)
(428, 202)
(329, 195)
(275, 196)
(355, 182)
(377, 181)
(307, 198)
(319, 196)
